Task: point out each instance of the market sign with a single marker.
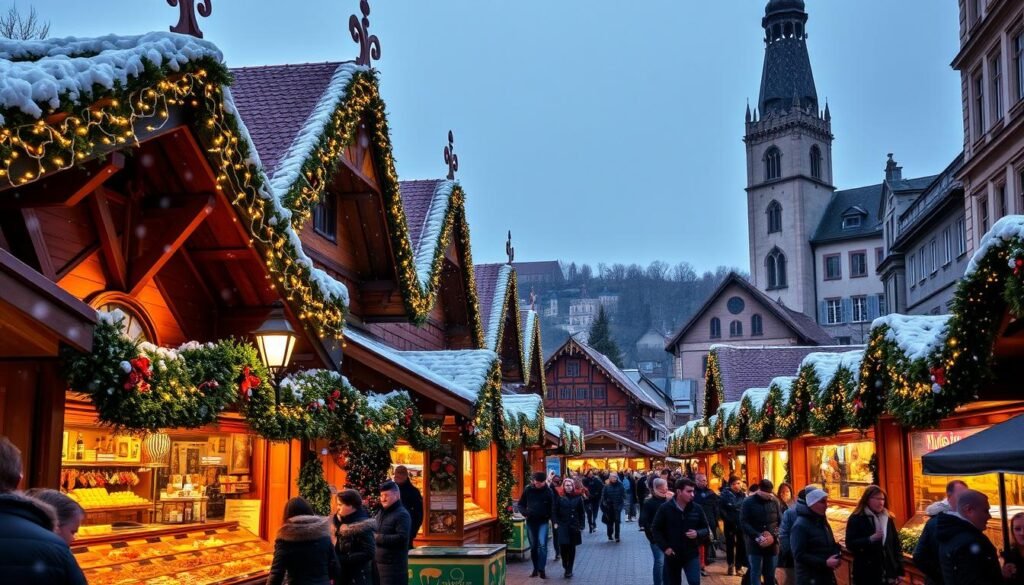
(926, 442)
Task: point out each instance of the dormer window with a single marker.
(850, 222)
(854, 217)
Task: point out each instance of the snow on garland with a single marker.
(524, 419)
(831, 379)
(751, 403)
(763, 420)
(713, 387)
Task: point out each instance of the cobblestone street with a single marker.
(607, 563)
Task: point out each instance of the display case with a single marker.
(842, 467)
(837, 517)
(220, 553)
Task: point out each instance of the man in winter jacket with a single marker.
(648, 511)
(710, 502)
(730, 503)
(412, 499)
(679, 527)
(759, 520)
(966, 555)
(815, 552)
(392, 539)
(595, 486)
(536, 504)
(30, 552)
(785, 528)
(926, 553)
(613, 500)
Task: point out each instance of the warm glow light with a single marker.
(275, 339)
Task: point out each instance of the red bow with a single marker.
(857, 405)
(332, 400)
(938, 375)
(408, 415)
(247, 382)
(139, 377)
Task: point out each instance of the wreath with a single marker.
(717, 470)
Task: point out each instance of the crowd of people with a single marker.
(769, 536)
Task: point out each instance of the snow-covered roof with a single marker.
(826, 365)
(462, 372)
(757, 396)
(917, 336)
(728, 409)
(289, 168)
(529, 324)
(38, 77)
(528, 405)
(425, 247)
(493, 314)
(785, 385)
(1007, 228)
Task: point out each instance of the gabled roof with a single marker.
(649, 387)
(533, 356)
(550, 268)
(806, 329)
(492, 285)
(611, 370)
(626, 442)
(866, 199)
(743, 367)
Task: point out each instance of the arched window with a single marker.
(774, 212)
(736, 328)
(756, 325)
(135, 324)
(772, 164)
(716, 328)
(775, 264)
(816, 162)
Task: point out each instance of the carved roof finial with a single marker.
(369, 45)
(188, 24)
(509, 250)
(450, 158)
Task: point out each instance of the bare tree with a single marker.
(14, 25)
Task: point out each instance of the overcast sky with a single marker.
(601, 131)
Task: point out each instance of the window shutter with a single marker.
(872, 307)
(847, 310)
(822, 312)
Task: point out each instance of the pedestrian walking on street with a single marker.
(648, 510)
(785, 573)
(613, 499)
(926, 553)
(412, 499)
(354, 540)
(392, 539)
(732, 498)
(536, 503)
(1013, 568)
(815, 552)
(759, 518)
(872, 538)
(303, 554)
(556, 485)
(966, 555)
(679, 527)
(31, 553)
(569, 518)
(627, 486)
(710, 502)
(595, 486)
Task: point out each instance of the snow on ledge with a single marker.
(757, 397)
(38, 74)
(433, 222)
(527, 405)
(1007, 228)
(497, 304)
(827, 364)
(917, 336)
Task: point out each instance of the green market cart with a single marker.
(479, 564)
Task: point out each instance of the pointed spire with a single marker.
(755, 114)
(748, 111)
(828, 114)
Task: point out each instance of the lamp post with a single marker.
(275, 340)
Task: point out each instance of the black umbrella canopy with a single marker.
(997, 449)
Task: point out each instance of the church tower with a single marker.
(789, 162)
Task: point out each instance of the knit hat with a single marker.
(814, 496)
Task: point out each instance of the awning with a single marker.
(654, 424)
(626, 442)
(997, 449)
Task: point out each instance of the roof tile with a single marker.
(744, 367)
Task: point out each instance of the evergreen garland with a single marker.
(313, 486)
(713, 388)
(829, 411)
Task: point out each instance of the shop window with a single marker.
(928, 489)
(843, 468)
(774, 466)
(412, 460)
(478, 489)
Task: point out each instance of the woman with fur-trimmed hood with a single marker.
(353, 529)
(303, 554)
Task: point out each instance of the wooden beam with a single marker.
(356, 196)
(145, 268)
(65, 188)
(110, 248)
(194, 271)
(35, 234)
(224, 254)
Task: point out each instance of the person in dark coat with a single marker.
(353, 531)
(731, 501)
(759, 519)
(30, 552)
(69, 512)
(678, 529)
(569, 518)
(412, 499)
(1013, 568)
(536, 503)
(926, 553)
(595, 486)
(710, 502)
(789, 516)
(872, 538)
(648, 510)
(966, 555)
(303, 554)
(613, 500)
(815, 552)
(392, 539)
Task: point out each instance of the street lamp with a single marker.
(703, 429)
(275, 339)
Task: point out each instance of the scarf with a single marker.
(883, 518)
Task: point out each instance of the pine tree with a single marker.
(600, 338)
